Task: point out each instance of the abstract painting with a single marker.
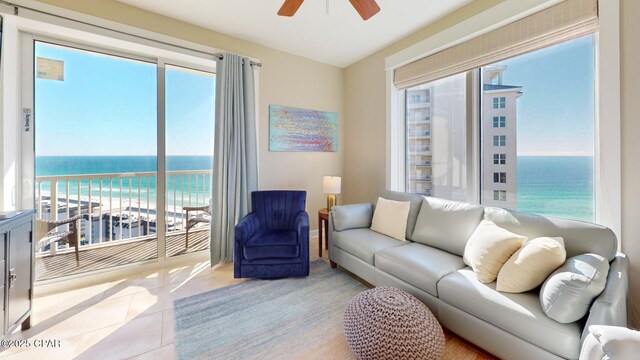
(293, 129)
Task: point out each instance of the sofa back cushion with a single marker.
(579, 237)
(446, 224)
(353, 216)
(414, 207)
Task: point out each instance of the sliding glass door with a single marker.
(189, 116)
(97, 156)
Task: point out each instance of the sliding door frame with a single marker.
(27, 83)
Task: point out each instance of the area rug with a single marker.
(268, 319)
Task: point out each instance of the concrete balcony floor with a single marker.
(64, 264)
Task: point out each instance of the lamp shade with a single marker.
(331, 184)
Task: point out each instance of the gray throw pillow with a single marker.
(568, 292)
(354, 216)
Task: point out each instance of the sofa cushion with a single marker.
(567, 294)
(414, 207)
(488, 248)
(354, 216)
(363, 243)
(269, 244)
(518, 314)
(579, 237)
(419, 265)
(528, 267)
(390, 218)
(446, 224)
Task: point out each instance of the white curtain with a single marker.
(235, 152)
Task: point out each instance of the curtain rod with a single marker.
(220, 56)
(15, 12)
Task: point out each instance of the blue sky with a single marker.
(556, 111)
(107, 106)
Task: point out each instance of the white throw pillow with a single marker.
(528, 267)
(488, 248)
(390, 218)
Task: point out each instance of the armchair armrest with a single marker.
(302, 225)
(205, 208)
(248, 226)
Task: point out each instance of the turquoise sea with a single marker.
(198, 186)
(560, 186)
(549, 185)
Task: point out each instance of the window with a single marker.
(549, 97)
(499, 121)
(432, 147)
(499, 159)
(499, 102)
(415, 99)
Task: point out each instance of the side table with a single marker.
(323, 222)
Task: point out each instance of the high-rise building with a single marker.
(499, 135)
(418, 159)
(436, 139)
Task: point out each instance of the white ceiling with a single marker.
(339, 38)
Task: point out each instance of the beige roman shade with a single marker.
(564, 21)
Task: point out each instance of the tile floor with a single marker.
(129, 318)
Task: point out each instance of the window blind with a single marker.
(565, 21)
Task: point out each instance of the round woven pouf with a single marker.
(388, 323)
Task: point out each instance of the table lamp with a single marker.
(331, 187)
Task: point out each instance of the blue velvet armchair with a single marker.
(273, 240)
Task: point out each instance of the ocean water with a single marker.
(549, 185)
(140, 189)
(560, 186)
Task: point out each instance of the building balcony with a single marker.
(419, 149)
(119, 223)
(423, 163)
(420, 177)
(419, 134)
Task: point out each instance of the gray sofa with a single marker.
(430, 266)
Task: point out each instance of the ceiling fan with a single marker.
(366, 8)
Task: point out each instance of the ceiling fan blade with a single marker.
(366, 8)
(289, 7)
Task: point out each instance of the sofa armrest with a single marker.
(610, 307)
(610, 342)
(248, 226)
(354, 216)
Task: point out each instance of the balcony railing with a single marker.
(119, 207)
